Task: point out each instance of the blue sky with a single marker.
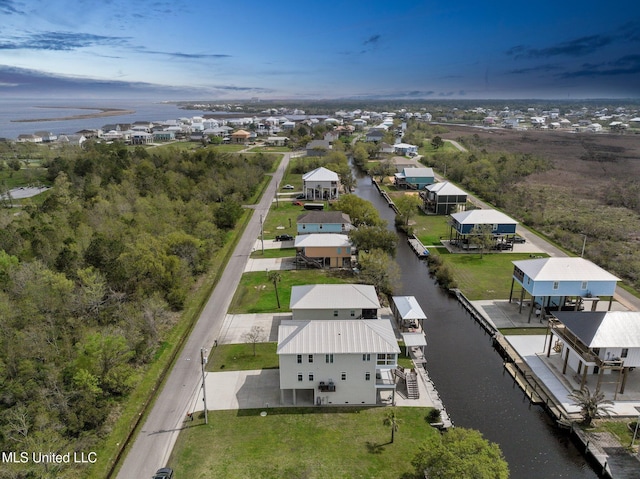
(320, 50)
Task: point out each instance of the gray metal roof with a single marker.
(314, 240)
(351, 336)
(563, 269)
(609, 329)
(446, 189)
(334, 296)
(337, 217)
(320, 174)
(483, 217)
(408, 307)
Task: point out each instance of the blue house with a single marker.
(464, 222)
(415, 178)
(551, 284)
(324, 222)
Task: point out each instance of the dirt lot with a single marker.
(584, 162)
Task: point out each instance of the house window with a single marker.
(335, 313)
(299, 377)
(299, 358)
(386, 359)
(366, 357)
(343, 376)
(328, 358)
(311, 358)
(556, 285)
(624, 353)
(310, 376)
(348, 249)
(367, 376)
(583, 285)
(339, 251)
(352, 313)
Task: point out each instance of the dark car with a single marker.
(284, 238)
(517, 239)
(163, 473)
(301, 196)
(503, 246)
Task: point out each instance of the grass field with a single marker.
(305, 443)
(274, 253)
(486, 277)
(281, 219)
(430, 228)
(240, 357)
(256, 294)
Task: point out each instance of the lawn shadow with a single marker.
(373, 448)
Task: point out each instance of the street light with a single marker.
(203, 362)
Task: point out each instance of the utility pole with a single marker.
(262, 234)
(584, 243)
(277, 202)
(203, 362)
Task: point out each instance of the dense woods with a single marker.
(94, 275)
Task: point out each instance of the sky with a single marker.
(282, 49)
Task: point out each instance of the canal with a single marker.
(470, 378)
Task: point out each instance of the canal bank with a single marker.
(469, 375)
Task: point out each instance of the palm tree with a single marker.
(592, 406)
(275, 278)
(392, 420)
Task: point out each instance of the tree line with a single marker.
(92, 278)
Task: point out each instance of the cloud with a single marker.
(574, 48)
(187, 56)
(10, 7)
(535, 69)
(372, 40)
(59, 41)
(626, 65)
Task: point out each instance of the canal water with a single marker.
(470, 378)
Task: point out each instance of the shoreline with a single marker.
(102, 112)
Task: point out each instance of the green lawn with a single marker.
(488, 277)
(256, 294)
(240, 357)
(430, 228)
(305, 443)
(281, 219)
(274, 253)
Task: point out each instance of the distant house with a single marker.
(320, 184)
(141, 138)
(561, 284)
(415, 178)
(375, 134)
(337, 361)
(463, 223)
(326, 250)
(47, 136)
(240, 137)
(277, 141)
(323, 222)
(334, 301)
(602, 343)
(164, 135)
(75, 140)
(405, 149)
(444, 198)
(318, 147)
(29, 138)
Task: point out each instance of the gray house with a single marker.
(444, 198)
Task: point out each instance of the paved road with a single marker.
(155, 441)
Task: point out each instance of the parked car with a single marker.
(301, 196)
(517, 239)
(163, 473)
(284, 238)
(503, 246)
(288, 187)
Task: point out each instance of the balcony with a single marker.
(327, 387)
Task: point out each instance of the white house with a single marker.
(334, 301)
(337, 361)
(321, 184)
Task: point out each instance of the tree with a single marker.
(392, 420)
(366, 238)
(254, 336)
(592, 406)
(482, 236)
(460, 453)
(361, 212)
(437, 142)
(408, 207)
(275, 278)
(379, 269)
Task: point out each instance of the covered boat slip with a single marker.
(410, 318)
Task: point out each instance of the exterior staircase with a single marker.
(412, 385)
(310, 261)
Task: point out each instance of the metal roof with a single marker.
(483, 217)
(412, 340)
(324, 217)
(334, 296)
(351, 336)
(446, 188)
(408, 307)
(312, 240)
(563, 269)
(609, 329)
(320, 174)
